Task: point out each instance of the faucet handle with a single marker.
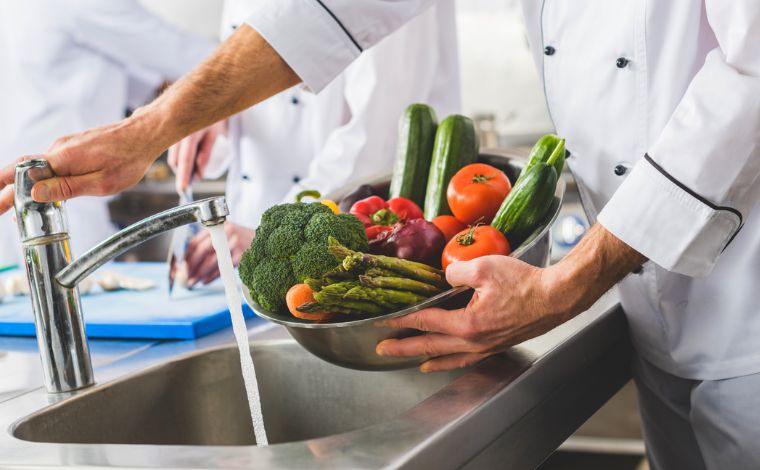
(36, 219)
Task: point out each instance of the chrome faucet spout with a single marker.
(212, 211)
(53, 277)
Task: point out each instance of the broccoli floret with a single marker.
(247, 264)
(272, 217)
(300, 214)
(284, 242)
(270, 281)
(313, 260)
(346, 228)
(291, 245)
(356, 237)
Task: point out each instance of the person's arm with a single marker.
(245, 70)
(685, 201)
(513, 302)
(109, 159)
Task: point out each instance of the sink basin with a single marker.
(200, 400)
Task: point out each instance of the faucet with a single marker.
(53, 277)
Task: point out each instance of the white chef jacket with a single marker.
(347, 133)
(70, 65)
(660, 103)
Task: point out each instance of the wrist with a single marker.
(565, 290)
(152, 125)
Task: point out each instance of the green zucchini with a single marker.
(546, 147)
(456, 145)
(416, 135)
(527, 203)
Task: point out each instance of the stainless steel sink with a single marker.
(200, 400)
(180, 405)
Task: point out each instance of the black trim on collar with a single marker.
(693, 194)
(345, 30)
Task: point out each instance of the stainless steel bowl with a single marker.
(352, 343)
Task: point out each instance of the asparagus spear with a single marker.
(399, 283)
(334, 291)
(329, 304)
(380, 272)
(385, 297)
(318, 307)
(385, 262)
(402, 267)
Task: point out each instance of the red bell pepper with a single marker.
(364, 209)
(378, 216)
(374, 231)
(404, 208)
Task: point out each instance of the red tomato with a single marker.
(476, 192)
(448, 225)
(473, 243)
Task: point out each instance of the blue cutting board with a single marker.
(149, 314)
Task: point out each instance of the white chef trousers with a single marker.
(699, 424)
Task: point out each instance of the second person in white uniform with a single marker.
(69, 65)
(345, 134)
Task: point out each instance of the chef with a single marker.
(75, 64)
(660, 105)
(299, 140)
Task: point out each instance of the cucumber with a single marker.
(456, 145)
(527, 203)
(416, 135)
(546, 147)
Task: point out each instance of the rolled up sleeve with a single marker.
(318, 39)
(686, 200)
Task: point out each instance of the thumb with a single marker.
(61, 188)
(466, 273)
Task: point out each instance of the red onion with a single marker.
(415, 240)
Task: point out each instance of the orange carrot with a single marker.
(300, 294)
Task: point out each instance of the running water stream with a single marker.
(219, 240)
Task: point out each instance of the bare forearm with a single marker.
(593, 267)
(242, 72)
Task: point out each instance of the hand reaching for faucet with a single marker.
(97, 162)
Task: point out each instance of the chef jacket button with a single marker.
(622, 62)
(296, 179)
(620, 169)
(234, 27)
(549, 50)
(294, 100)
(246, 178)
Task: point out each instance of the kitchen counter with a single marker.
(516, 408)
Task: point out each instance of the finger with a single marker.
(61, 188)
(204, 153)
(8, 173)
(6, 199)
(211, 272)
(474, 273)
(430, 345)
(205, 272)
(186, 155)
(196, 257)
(453, 362)
(173, 157)
(463, 273)
(436, 320)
